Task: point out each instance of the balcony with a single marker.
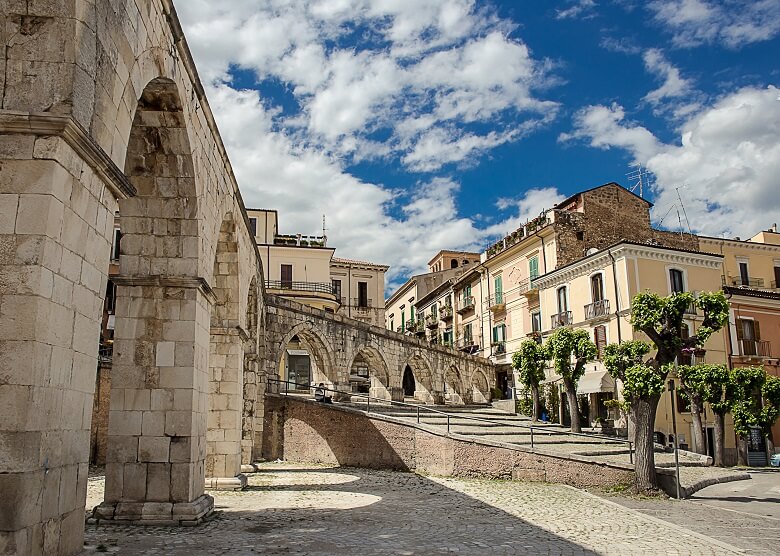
(597, 309)
(316, 287)
(497, 302)
(419, 327)
(305, 292)
(300, 240)
(466, 305)
(105, 353)
(498, 348)
(362, 305)
(754, 348)
(740, 282)
(445, 313)
(431, 321)
(518, 235)
(561, 319)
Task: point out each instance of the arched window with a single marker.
(453, 264)
(563, 304)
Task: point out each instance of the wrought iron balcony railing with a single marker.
(597, 309)
(561, 319)
(498, 348)
(466, 304)
(497, 301)
(318, 287)
(755, 348)
(362, 303)
(741, 282)
(445, 313)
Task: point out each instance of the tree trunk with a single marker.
(574, 409)
(698, 428)
(742, 450)
(535, 402)
(643, 417)
(720, 439)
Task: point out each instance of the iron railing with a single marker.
(358, 303)
(445, 313)
(597, 309)
(319, 287)
(106, 353)
(561, 319)
(499, 348)
(466, 304)
(748, 282)
(755, 348)
(496, 300)
(281, 387)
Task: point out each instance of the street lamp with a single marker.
(676, 443)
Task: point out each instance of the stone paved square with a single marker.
(305, 509)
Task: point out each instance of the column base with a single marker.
(238, 482)
(155, 513)
(249, 468)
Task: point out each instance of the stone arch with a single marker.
(226, 362)
(320, 350)
(161, 356)
(480, 387)
(379, 375)
(423, 375)
(453, 387)
(251, 422)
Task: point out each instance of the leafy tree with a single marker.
(709, 384)
(661, 320)
(570, 350)
(530, 361)
(771, 410)
(695, 385)
(754, 401)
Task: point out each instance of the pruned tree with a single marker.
(713, 384)
(695, 388)
(570, 350)
(771, 410)
(530, 361)
(661, 320)
(747, 387)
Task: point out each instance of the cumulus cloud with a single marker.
(725, 164)
(732, 23)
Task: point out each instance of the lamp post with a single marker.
(676, 443)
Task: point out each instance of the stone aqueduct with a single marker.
(103, 113)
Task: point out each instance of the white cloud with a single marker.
(673, 86)
(578, 8)
(417, 81)
(732, 23)
(726, 164)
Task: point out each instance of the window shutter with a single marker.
(740, 329)
(756, 331)
(533, 268)
(600, 335)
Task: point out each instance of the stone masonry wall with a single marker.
(307, 432)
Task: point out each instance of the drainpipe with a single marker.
(544, 256)
(617, 296)
(489, 312)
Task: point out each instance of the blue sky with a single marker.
(418, 125)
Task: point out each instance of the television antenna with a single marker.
(640, 178)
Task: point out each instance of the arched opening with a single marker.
(161, 356)
(368, 374)
(480, 388)
(226, 360)
(409, 384)
(305, 360)
(453, 387)
(453, 263)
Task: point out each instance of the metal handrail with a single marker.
(321, 287)
(418, 407)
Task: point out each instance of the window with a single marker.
(448, 301)
(686, 358)
(597, 288)
(580, 236)
(362, 300)
(115, 248)
(777, 277)
(600, 337)
(676, 281)
(403, 321)
(536, 321)
(453, 264)
(287, 275)
(683, 404)
(748, 336)
(110, 303)
(447, 337)
(499, 289)
(337, 288)
(253, 226)
(499, 333)
(468, 338)
(392, 322)
(434, 311)
(533, 268)
(411, 314)
(744, 275)
(563, 303)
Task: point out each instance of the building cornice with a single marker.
(740, 243)
(627, 250)
(77, 138)
(184, 282)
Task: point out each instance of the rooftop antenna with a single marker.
(640, 177)
(682, 205)
(324, 232)
(679, 219)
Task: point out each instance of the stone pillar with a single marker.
(223, 459)
(159, 399)
(56, 219)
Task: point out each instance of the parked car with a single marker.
(774, 461)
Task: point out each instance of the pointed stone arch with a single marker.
(480, 387)
(423, 375)
(379, 374)
(320, 350)
(454, 392)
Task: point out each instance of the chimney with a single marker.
(773, 228)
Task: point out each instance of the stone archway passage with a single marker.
(409, 384)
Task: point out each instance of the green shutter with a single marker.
(403, 321)
(533, 268)
(411, 315)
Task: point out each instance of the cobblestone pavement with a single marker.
(292, 509)
(754, 534)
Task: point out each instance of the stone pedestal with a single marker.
(238, 482)
(156, 513)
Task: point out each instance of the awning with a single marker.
(596, 381)
(297, 352)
